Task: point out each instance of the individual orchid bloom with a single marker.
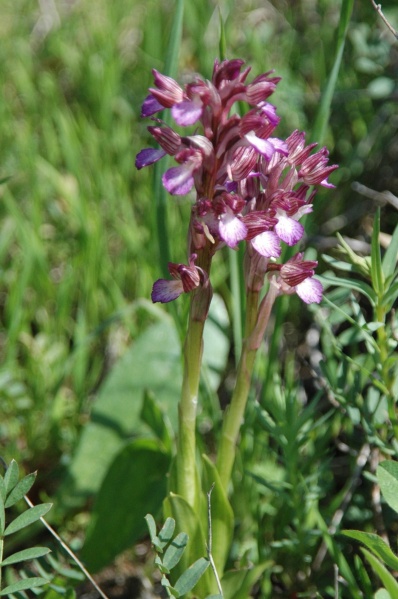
(314, 169)
(185, 279)
(297, 276)
(288, 211)
(220, 220)
(179, 180)
(264, 240)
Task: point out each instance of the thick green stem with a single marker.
(186, 446)
(186, 476)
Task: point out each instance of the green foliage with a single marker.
(11, 491)
(169, 552)
(137, 480)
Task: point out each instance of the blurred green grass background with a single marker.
(77, 249)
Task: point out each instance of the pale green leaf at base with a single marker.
(24, 585)
(26, 518)
(25, 554)
(189, 579)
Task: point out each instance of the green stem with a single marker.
(256, 323)
(186, 445)
(186, 475)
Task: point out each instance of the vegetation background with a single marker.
(77, 250)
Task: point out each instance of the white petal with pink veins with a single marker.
(310, 291)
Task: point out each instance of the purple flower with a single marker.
(250, 185)
(185, 279)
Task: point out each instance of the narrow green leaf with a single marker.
(376, 270)
(28, 517)
(11, 476)
(190, 578)
(24, 585)
(351, 284)
(375, 544)
(2, 517)
(150, 521)
(386, 578)
(20, 489)
(390, 296)
(391, 256)
(175, 550)
(3, 491)
(322, 118)
(387, 476)
(167, 531)
(25, 554)
(223, 39)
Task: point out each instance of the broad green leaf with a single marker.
(352, 284)
(28, 517)
(157, 420)
(390, 258)
(190, 578)
(387, 476)
(167, 531)
(386, 578)
(134, 484)
(376, 545)
(376, 270)
(237, 584)
(11, 476)
(152, 363)
(20, 489)
(382, 594)
(24, 585)
(222, 516)
(215, 597)
(175, 550)
(25, 554)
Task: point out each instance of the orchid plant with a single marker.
(249, 187)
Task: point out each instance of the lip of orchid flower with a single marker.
(266, 242)
(179, 180)
(184, 279)
(288, 210)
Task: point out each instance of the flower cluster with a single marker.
(250, 186)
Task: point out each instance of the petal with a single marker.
(289, 230)
(178, 180)
(310, 291)
(150, 106)
(147, 157)
(261, 145)
(165, 291)
(267, 244)
(231, 229)
(187, 112)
